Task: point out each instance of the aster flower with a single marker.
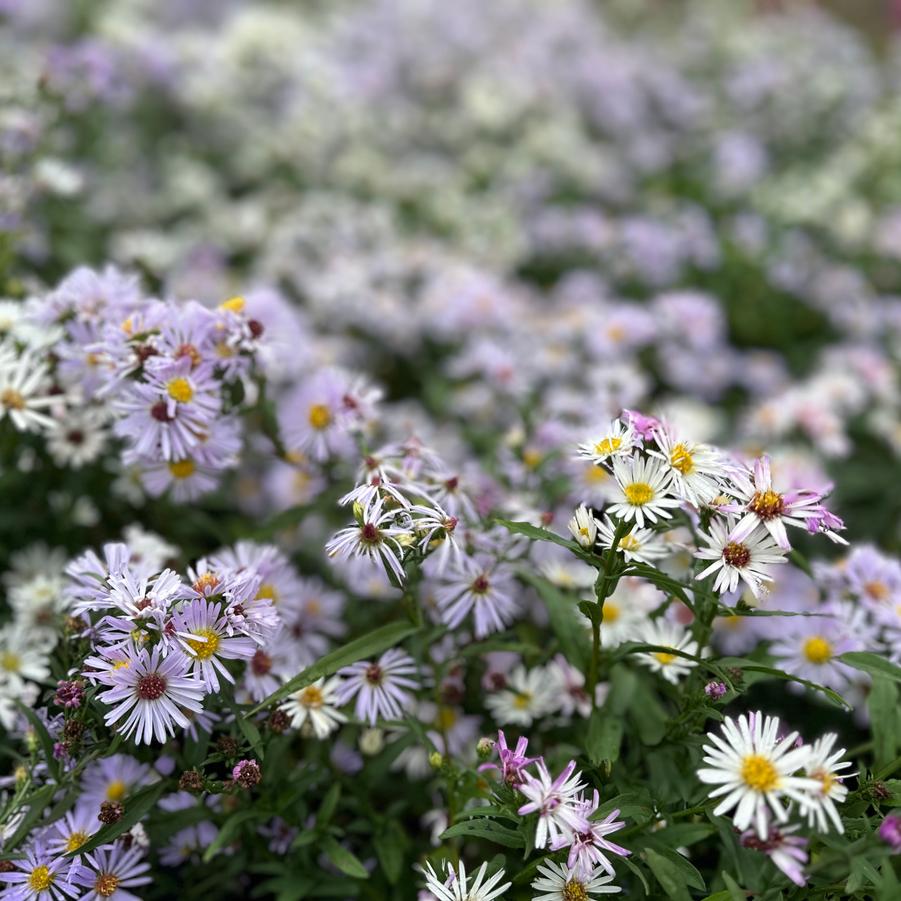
(643, 490)
(696, 469)
(826, 765)
(528, 695)
(456, 887)
(589, 846)
(483, 586)
(556, 803)
(149, 694)
(79, 437)
(617, 440)
(759, 504)
(788, 852)
(113, 778)
(558, 882)
(317, 704)
(750, 560)
(756, 770)
(68, 834)
(40, 876)
(381, 688)
(188, 478)
(642, 545)
(667, 634)
(583, 527)
(810, 647)
(24, 392)
(111, 871)
(512, 762)
(374, 536)
(209, 642)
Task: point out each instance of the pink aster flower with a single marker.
(788, 852)
(588, 847)
(556, 801)
(512, 763)
(148, 693)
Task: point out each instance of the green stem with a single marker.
(603, 589)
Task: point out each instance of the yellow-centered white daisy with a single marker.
(617, 440)
(756, 770)
(642, 490)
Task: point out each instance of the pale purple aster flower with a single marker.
(512, 763)
(311, 616)
(187, 479)
(68, 834)
(41, 876)
(374, 536)
(556, 801)
(874, 577)
(760, 504)
(788, 852)
(382, 688)
(280, 834)
(148, 694)
(483, 586)
(187, 844)
(588, 846)
(249, 608)
(111, 871)
(210, 642)
(203, 721)
(112, 779)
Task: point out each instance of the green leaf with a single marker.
(668, 875)
(485, 829)
(43, 737)
(736, 892)
(752, 666)
(359, 649)
(344, 860)
(882, 702)
(135, 808)
(567, 626)
(637, 871)
(872, 664)
(329, 803)
(603, 737)
(249, 731)
(36, 805)
(665, 583)
(228, 830)
(538, 534)
(390, 841)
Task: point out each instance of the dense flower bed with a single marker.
(448, 451)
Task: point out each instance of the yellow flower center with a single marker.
(233, 304)
(608, 446)
(629, 543)
(267, 591)
(205, 649)
(876, 589)
(445, 719)
(664, 657)
(12, 399)
(817, 649)
(575, 891)
(680, 459)
(522, 699)
(611, 612)
(11, 662)
(121, 664)
(311, 696)
(767, 504)
(827, 780)
(40, 879)
(758, 772)
(320, 416)
(76, 840)
(106, 885)
(180, 389)
(595, 474)
(115, 791)
(182, 469)
(638, 493)
(531, 457)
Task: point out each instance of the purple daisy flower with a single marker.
(380, 687)
(111, 872)
(148, 694)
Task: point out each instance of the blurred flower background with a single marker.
(254, 254)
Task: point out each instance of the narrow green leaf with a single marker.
(228, 831)
(872, 664)
(753, 667)
(603, 736)
(329, 803)
(485, 829)
(390, 841)
(668, 875)
(344, 860)
(736, 892)
(359, 649)
(44, 738)
(539, 534)
(882, 702)
(565, 621)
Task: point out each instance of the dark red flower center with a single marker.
(151, 687)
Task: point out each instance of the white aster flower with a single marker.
(667, 634)
(617, 440)
(317, 704)
(24, 392)
(695, 468)
(824, 766)
(642, 545)
(583, 527)
(643, 490)
(529, 695)
(456, 886)
(557, 882)
(756, 771)
(750, 560)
